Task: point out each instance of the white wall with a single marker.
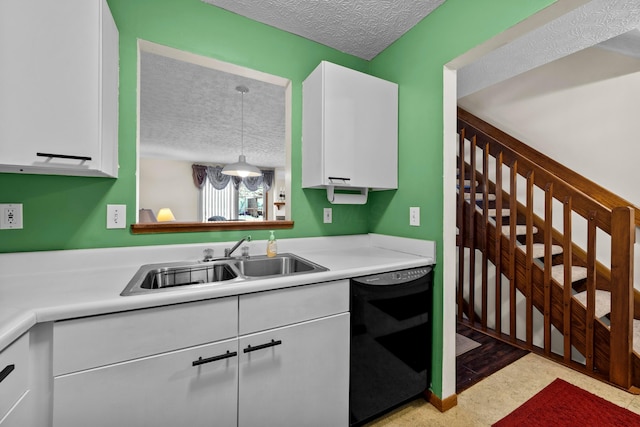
(581, 110)
(168, 184)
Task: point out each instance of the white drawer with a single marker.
(90, 342)
(14, 364)
(272, 309)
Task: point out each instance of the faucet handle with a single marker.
(208, 254)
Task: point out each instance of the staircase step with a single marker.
(494, 212)
(467, 184)
(479, 196)
(521, 230)
(577, 273)
(538, 249)
(603, 302)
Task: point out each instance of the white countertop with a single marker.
(49, 286)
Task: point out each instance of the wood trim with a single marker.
(622, 259)
(497, 243)
(565, 174)
(485, 228)
(583, 202)
(192, 227)
(462, 229)
(472, 227)
(578, 254)
(441, 405)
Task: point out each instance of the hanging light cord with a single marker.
(242, 123)
(242, 90)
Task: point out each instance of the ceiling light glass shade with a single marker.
(241, 168)
(165, 215)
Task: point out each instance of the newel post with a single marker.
(621, 341)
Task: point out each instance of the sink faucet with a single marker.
(229, 251)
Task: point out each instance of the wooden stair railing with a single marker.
(565, 251)
(572, 178)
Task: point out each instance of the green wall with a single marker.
(70, 212)
(416, 61)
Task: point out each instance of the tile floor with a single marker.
(497, 395)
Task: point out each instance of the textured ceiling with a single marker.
(585, 26)
(191, 112)
(626, 44)
(361, 28)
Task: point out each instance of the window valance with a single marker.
(220, 181)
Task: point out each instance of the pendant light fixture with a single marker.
(241, 168)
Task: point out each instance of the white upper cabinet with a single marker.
(349, 130)
(59, 88)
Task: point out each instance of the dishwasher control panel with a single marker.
(394, 277)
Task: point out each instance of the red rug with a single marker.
(561, 404)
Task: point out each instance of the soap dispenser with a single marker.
(272, 246)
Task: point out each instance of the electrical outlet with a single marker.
(116, 216)
(11, 216)
(414, 216)
(328, 215)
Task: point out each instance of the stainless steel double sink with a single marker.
(152, 278)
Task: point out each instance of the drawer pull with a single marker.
(331, 178)
(273, 343)
(202, 361)
(6, 371)
(63, 156)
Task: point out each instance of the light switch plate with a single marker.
(414, 216)
(116, 216)
(11, 216)
(327, 215)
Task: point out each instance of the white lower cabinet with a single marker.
(296, 375)
(161, 390)
(275, 358)
(136, 368)
(20, 415)
(14, 383)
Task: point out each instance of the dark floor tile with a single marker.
(481, 362)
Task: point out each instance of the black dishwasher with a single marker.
(390, 341)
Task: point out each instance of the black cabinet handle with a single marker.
(6, 371)
(273, 343)
(331, 178)
(63, 156)
(202, 361)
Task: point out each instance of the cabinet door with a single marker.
(51, 80)
(296, 375)
(14, 373)
(161, 390)
(361, 128)
(20, 414)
